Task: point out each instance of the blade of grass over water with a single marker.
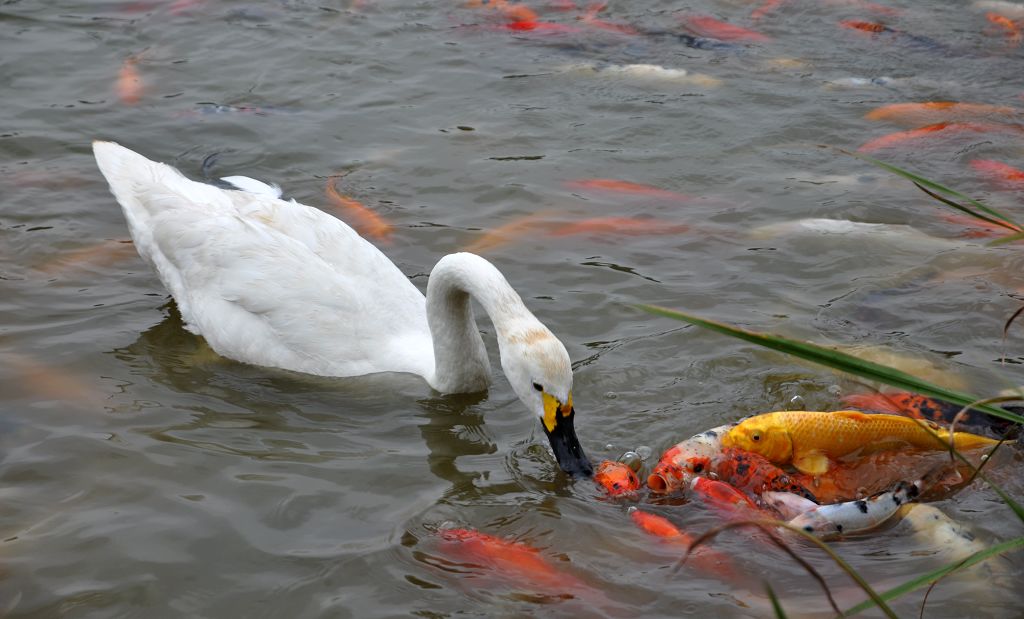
(994, 216)
(776, 606)
(837, 360)
(924, 579)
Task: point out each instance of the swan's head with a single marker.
(537, 365)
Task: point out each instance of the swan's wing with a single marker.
(260, 296)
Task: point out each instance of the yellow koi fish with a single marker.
(810, 440)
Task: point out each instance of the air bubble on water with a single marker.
(609, 447)
(631, 459)
(796, 403)
(835, 391)
(611, 395)
(644, 452)
(631, 509)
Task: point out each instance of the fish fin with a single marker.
(813, 462)
(853, 415)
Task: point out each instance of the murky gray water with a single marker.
(141, 475)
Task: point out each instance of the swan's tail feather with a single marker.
(251, 185)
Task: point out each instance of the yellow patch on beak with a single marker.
(551, 409)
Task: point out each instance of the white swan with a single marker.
(285, 285)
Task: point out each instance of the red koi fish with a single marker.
(513, 561)
(1010, 27)
(365, 220)
(865, 26)
(706, 26)
(1007, 176)
(939, 111)
(705, 559)
(725, 498)
(944, 129)
(752, 473)
(612, 185)
(129, 83)
(624, 226)
(616, 478)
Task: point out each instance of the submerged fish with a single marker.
(363, 219)
(810, 440)
(942, 130)
(612, 185)
(616, 478)
(1010, 28)
(931, 112)
(706, 26)
(704, 559)
(515, 562)
(622, 226)
(1013, 10)
(861, 231)
(1001, 173)
(129, 82)
(940, 533)
(645, 72)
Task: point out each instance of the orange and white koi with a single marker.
(676, 467)
(1005, 175)
(943, 129)
(129, 83)
(612, 185)
(616, 478)
(940, 111)
(363, 218)
(810, 440)
(706, 26)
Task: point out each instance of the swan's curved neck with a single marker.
(460, 358)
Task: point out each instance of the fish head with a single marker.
(539, 371)
(762, 435)
(686, 460)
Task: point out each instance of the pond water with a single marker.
(142, 475)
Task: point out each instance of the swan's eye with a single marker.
(538, 387)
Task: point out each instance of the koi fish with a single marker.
(865, 26)
(752, 473)
(625, 226)
(1012, 10)
(364, 219)
(827, 521)
(675, 468)
(707, 26)
(939, 532)
(510, 231)
(880, 28)
(977, 228)
(861, 231)
(942, 129)
(724, 497)
(648, 72)
(102, 254)
(612, 185)
(768, 6)
(1011, 28)
(513, 561)
(704, 559)
(129, 82)
(919, 406)
(938, 111)
(1008, 176)
(616, 478)
(46, 383)
(809, 440)
(591, 19)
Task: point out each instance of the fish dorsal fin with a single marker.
(854, 415)
(811, 462)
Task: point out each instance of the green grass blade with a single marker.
(1006, 239)
(776, 606)
(920, 180)
(930, 577)
(961, 207)
(838, 361)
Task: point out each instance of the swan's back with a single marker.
(268, 281)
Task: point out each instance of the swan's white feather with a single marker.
(252, 185)
(270, 282)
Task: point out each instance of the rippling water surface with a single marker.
(143, 476)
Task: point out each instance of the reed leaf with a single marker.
(837, 360)
(776, 605)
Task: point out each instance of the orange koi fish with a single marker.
(514, 561)
(365, 220)
(1008, 176)
(752, 473)
(768, 6)
(942, 129)
(704, 559)
(725, 498)
(865, 26)
(129, 84)
(811, 440)
(616, 186)
(47, 383)
(625, 226)
(509, 232)
(103, 254)
(938, 111)
(706, 26)
(616, 478)
(1012, 28)
(591, 19)
(977, 228)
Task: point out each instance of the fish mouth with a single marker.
(657, 483)
(566, 447)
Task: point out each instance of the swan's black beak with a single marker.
(566, 446)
